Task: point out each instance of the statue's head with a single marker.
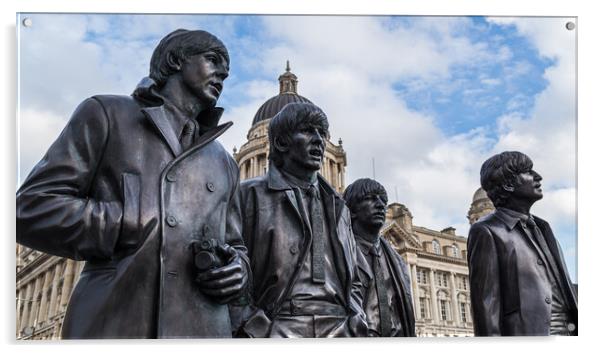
(297, 136)
(199, 56)
(510, 175)
(367, 200)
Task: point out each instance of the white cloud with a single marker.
(37, 130)
(348, 66)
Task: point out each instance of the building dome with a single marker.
(480, 194)
(481, 205)
(253, 156)
(274, 104)
(288, 94)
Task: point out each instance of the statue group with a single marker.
(176, 247)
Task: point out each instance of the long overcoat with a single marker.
(116, 190)
(509, 289)
(277, 235)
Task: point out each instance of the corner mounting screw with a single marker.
(570, 26)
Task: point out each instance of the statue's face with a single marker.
(528, 186)
(204, 74)
(306, 150)
(370, 211)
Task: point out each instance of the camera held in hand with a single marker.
(205, 255)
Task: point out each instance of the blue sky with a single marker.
(429, 98)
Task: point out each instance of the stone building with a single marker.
(481, 206)
(438, 271)
(436, 259)
(252, 158)
(44, 285)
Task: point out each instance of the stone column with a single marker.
(454, 300)
(415, 290)
(55, 288)
(77, 268)
(27, 304)
(342, 177)
(44, 304)
(35, 303)
(434, 299)
(67, 284)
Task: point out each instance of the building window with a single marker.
(436, 247)
(463, 312)
(423, 308)
(442, 279)
(444, 311)
(421, 276)
(463, 282)
(455, 251)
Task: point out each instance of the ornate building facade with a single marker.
(44, 285)
(436, 259)
(438, 271)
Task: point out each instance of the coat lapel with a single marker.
(333, 208)
(157, 117)
(276, 182)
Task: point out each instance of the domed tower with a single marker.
(252, 158)
(481, 206)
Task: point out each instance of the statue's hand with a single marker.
(228, 282)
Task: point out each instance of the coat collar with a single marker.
(509, 217)
(277, 181)
(154, 110)
(366, 246)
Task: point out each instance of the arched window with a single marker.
(464, 307)
(455, 252)
(444, 306)
(436, 247)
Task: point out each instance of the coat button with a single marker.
(571, 327)
(172, 221)
(210, 186)
(171, 176)
(539, 262)
(548, 300)
(294, 249)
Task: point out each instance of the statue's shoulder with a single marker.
(259, 182)
(108, 100)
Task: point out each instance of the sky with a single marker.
(428, 99)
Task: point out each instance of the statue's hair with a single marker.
(503, 170)
(361, 188)
(291, 118)
(180, 45)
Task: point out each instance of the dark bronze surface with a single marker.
(512, 289)
(121, 189)
(384, 274)
(278, 233)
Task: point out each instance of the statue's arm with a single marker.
(54, 211)
(485, 292)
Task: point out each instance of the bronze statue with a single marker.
(518, 279)
(299, 236)
(139, 188)
(384, 274)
